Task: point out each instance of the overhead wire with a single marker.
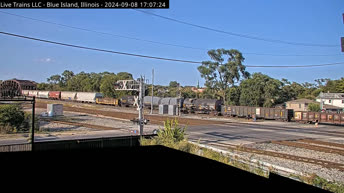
(154, 57)
(157, 42)
(237, 34)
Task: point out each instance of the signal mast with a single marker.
(133, 85)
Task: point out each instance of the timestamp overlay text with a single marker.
(87, 4)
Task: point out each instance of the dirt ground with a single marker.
(154, 119)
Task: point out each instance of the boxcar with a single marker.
(88, 97)
(56, 95)
(43, 94)
(108, 101)
(312, 117)
(66, 95)
(260, 112)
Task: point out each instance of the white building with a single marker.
(335, 99)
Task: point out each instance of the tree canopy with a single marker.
(224, 70)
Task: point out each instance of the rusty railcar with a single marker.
(56, 95)
(313, 117)
(259, 112)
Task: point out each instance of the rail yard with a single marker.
(255, 90)
(289, 147)
(276, 139)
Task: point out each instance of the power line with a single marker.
(153, 57)
(237, 34)
(97, 49)
(295, 66)
(156, 42)
(103, 33)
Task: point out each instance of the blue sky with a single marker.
(316, 21)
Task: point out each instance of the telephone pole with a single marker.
(152, 91)
(141, 94)
(342, 38)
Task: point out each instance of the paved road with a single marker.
(246, 133)
(232, 133)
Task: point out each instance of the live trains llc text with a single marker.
(20, 4)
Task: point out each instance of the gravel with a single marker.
(330, 174)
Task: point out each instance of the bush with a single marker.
(11, 116)
(170, 136)
(314, 107)
(13, 119)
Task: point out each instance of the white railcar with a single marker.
(25, 92)
(66, 95)
(89, 97)
(43, 94)
(33, 93)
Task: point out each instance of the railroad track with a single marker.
(322, 143)
(82, 124)
(310, 147)
(326, 164)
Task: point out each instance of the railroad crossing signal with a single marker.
(127, 85)
(139, 86)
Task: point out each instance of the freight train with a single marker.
(258, 112)
(192, 105)
(316, 117)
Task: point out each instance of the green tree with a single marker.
(223, 72)
(66, 76)
(260, 90)
(186, 92)
(340, 85)
(124, 76)
(173, 84)
(54, 79)
(234, 95)
(314, 107)
(107, 85)
(291, 91)
(44, 86)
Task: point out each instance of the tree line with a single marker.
(104, 82)
(225, 77)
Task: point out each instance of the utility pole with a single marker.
(152, 91)
(141, 94)
(342, 38)
(180, 101)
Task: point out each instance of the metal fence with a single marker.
(77, 144)
(15, 147)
